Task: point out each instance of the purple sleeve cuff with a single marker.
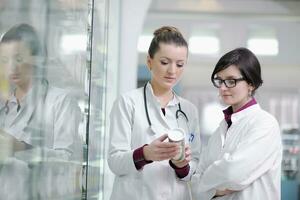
(180, 172)
(139, 159)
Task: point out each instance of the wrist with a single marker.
(139, 158)
(146, 152)
(181, 172)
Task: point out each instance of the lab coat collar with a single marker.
(152, 98)
(173, 102)
(229, 111)
(175, 99)
(31, 101)
(241, 114)
(22, 101)
(12, 99)
(39, 86)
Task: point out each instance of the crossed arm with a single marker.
(236, 170)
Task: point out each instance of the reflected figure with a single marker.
(40, 147)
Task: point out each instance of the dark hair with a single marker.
(24, 33)
(245, 61)
(167, 35)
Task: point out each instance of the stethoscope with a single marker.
(178, 113)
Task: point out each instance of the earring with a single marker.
(250, 93)
(148, 67)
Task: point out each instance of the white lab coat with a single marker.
(129, 130)
(245, 158)
(48, 120)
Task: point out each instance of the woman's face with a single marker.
(167, 65)
(238, 95)
(17, 62)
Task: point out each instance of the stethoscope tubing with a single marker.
(146, 106)
(147, 112)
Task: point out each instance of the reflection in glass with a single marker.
(41, 152)
(63, 158)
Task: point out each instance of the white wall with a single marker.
(232, 23)
(132, 19)
(124, 29)
(281, 71)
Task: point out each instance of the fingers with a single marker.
(163, 150)
(159, 150)
(160, 141)
(165, 156)
(159, 156)
(166, 151)
(187, 159)
(188, 151)
(224, 192)
(162, 138)
(166, 145)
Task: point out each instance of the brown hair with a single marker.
(167, 35)
(24, 33)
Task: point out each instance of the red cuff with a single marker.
(180, 172)
(139, 159)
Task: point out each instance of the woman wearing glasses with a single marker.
(243, 157)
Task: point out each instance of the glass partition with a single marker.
(53, 58)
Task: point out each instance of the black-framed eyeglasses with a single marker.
(229, 83)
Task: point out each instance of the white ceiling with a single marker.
(282, 7)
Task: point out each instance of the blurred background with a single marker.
(97, 49)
